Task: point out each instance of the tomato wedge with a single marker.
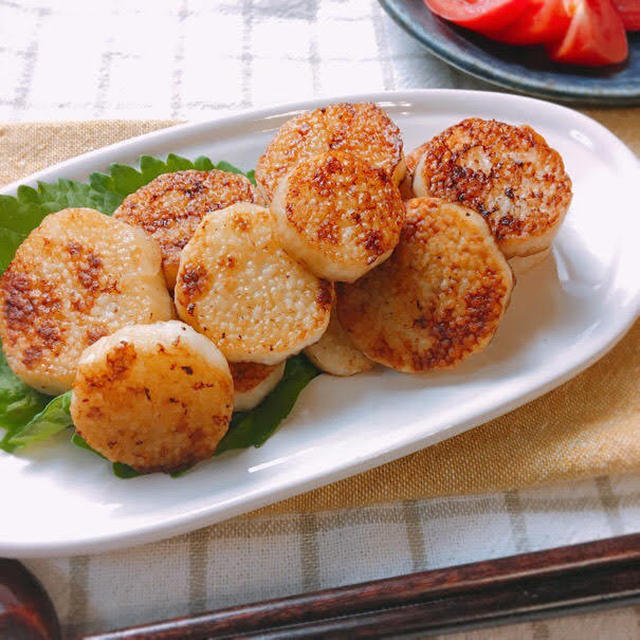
(479, 15)
(541, 21)
(629, 11)
(595, 37)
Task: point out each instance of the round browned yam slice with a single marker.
(507, 173)
(438, 299)
(156, 397)
(170, 208)
(78, 276)
(239, 287)
(338, 215)
(361, 128)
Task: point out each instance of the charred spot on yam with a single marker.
(117, 362)
(95, 333)
(193, 281)
(325, 294)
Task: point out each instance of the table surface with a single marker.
(195, 59)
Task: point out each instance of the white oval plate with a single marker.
(58, 499)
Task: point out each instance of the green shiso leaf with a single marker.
(255, 427)
(19, 403)
(54, 418)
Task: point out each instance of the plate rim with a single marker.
(469, 64)
(193, 519)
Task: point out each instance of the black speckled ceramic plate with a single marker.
(524, 69)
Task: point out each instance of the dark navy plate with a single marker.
(524, 69)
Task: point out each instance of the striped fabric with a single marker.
(193, 59)
(250, 559)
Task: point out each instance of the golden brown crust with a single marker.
(158, 398)
(241, 289)
(338, 214)
(438, 299)
(361, 128)
(78, 276)
(170, 208)
(508, 174)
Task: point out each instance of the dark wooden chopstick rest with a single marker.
(506, 590)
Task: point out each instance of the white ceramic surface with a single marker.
(58, 499)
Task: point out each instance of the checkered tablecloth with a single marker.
(193, 59)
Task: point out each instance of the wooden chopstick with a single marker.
(548, 583)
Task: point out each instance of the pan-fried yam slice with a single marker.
(170, 208)
(252, 382)
(78, 276)
(335, 353)
(440, 296)
(361, 128)
(242, 290)
(157, 397)
(508, 174)
(411, 159)
(338, 215)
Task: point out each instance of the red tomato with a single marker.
(478, 15)
(595, 37)
(629, 11)
(541, 21)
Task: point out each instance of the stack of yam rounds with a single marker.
(331, 176)
(420, 285)
(508, 174)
